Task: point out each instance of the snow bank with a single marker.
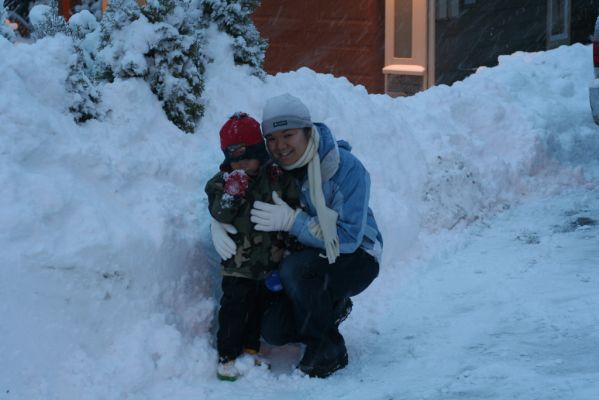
(107, 275)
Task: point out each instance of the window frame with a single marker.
(419, 35)
(554, 40)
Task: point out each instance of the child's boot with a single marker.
(227, 371)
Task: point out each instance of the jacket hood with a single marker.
(328, 151)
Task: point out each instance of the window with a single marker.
(447, 9)
(558, 18)
(403, 29)
(558, 22)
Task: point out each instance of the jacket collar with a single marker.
(328, 152)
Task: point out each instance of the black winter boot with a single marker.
(322, 359)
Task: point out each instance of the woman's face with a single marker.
(286, 147)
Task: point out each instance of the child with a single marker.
(245, 176)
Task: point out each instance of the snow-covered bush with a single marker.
(86, 97)
(79, 82)
(177, 68)
(117, 56)
(93, 6)
(234, 18)
(119, 14)
(160, 43)
(5, 30)
(82, 23)
(46, 21)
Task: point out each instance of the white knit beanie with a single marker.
(284, 112)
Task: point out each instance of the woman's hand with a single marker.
(273, 217)
(225, 246)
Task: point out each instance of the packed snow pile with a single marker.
(107, 273)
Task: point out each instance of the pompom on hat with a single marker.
(241, 139)
(284, 112)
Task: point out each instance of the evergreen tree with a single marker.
(85, 95)
(5, 30)
(157, 10)
(80, 82)
(119, 14)
(51, 22)
(93, 6)
(177, 77)
(111, 52)
(234, 18)
(82, 23)
(162, 43)
(177, 63)
(172, 63)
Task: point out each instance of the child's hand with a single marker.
(236, 182)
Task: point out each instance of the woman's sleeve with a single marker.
(349, 198)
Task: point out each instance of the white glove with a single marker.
(225, 246)
(273, 217)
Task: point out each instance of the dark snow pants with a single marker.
(241, 308)
(314, 290)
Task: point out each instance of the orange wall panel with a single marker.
(340, 37)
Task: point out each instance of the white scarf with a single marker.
(327, 218)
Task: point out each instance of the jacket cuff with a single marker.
(301, 220)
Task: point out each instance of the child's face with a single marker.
(250, 166)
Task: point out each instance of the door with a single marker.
(407, 35)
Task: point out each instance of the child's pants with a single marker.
(240, 316)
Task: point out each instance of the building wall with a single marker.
(484, 30)
(346, 38)
(340, 37)
(65, 7)
(584, 14)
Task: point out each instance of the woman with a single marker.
(342, 243)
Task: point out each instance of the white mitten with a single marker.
(273, 217)
(225, 246)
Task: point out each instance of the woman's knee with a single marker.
(278, 323)
(296, 266)
(287, 270)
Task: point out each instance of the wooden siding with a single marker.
(340, 37)
(584, 14)
(484, 31)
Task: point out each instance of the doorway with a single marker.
(408, 48)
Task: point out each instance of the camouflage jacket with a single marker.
(258, 253)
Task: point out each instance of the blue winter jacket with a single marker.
(346, 188)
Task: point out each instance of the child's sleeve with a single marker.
(222, 206)
(290, 194)
(285, 186)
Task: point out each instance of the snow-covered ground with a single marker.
(486, 194)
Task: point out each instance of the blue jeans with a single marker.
(313, 290)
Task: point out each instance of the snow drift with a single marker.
(107, 274)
